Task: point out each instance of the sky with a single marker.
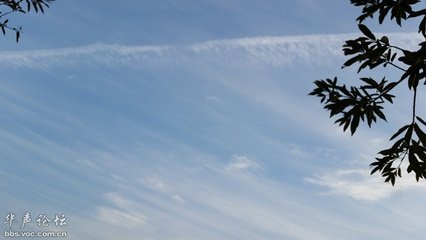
(191, 119)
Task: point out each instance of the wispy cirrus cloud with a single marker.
(360, 185)
(249, 206)
(242, 163)
(120, 218)
(274, 51)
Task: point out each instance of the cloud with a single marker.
(360, 185)
(274, 51)
(178, 199)
(120, 218)
(124, 213)
(213, 99)
(155, 184)
(242, 163)
(91, 54)
(118, 200)
(195, 201)
(162, 188)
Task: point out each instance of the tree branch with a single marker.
(414, 105)
(6, 13)
(399, 48)
(396, 66)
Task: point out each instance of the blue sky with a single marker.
(191, 120)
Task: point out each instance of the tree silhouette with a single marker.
(353, 105)
(8, 7)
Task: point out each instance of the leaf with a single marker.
(28, 5)
(388, 97)
(386, 152)
(370, 82)
(421, 120)
(375, 170)
(420, 134)
(364, 29)
(353, 60)
(380, 114)
(401, 130)
(409, 168)
(422, 27)
(409, 134)
(364, 65)
(383, 12)
(35, 5)
(385, 40)
(390, 86)
(18, 34)
(354, 124)
(422, 155)
(347, 123)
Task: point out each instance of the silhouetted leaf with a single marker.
(420, 134)
(380, 114)
(421, 120)
(401, 130)
(18, 34)
(364, 29)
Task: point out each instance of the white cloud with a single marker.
(212, 99)
(274, 51)
(120, 218)
(125, 212)
(178, 199)
(118, 200)
(163, 188)
(91, 54)
(155, 184)
(242, 163)
(208, 202)
(360, 185)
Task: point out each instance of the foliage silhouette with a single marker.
(365, 103)
(8, 7)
